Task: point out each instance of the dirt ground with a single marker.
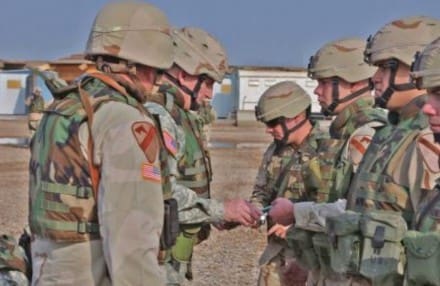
(226, 258)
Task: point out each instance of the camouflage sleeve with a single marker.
(358, 144)
(192, 209)
(130, 205)
(311, 215)
(261, 195)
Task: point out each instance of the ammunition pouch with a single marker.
(344, 243)
(382, 252)
(300, 241)
(423, 258)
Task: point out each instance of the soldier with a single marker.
(396, 170)
(285, 171)
(199, 61)
(424, 236)
(344, 90)
(96, 201)
(36, 107)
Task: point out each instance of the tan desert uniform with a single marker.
(96, 199)
(71, 248)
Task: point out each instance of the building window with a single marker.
(254, 82)
(13, 84)
(270, 82)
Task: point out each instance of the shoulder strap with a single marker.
(281, 177)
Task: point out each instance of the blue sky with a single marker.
(254, 32)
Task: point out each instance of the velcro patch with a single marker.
(146, 137)
(170, 143)
(151, 172)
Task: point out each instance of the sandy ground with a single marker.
(226, 258)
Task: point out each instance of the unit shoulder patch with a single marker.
(430, 151)
(357, 148)
(146, 136)
(170, 143)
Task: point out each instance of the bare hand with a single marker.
(241, 211)
(279, 230)
(282, 211)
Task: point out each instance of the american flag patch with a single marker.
(151, 172)
(170, 143)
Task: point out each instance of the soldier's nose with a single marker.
(429, 110)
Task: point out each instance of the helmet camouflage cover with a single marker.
(284, 99)
(401, 39)
(197, 52)
(136, 32)
(426, 67)
(342, 58)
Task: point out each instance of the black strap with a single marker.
(281, 177)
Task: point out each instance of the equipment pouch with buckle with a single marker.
(423, 258)
(382, 252)
(300, 241)
(344, 239)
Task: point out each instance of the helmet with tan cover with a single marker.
(197, 53)
(426, 67)
(283, 100)
(132, 31)
(401, 39)
(396, 43)
(342, 58)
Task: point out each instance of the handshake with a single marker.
(241, 212)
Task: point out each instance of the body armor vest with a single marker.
(195, 165)
(373, 186)
(336, 168)
(63, 204)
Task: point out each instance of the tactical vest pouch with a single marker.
(382, 253)
(300, 241)
(321, 244)
(343, 174)
(344, 239)
(423, 258)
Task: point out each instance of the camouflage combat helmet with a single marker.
(197, 53)
(136, 32)
(401, 39)
(426, 67)
(396, 43)
(342, 58)
(283, 100)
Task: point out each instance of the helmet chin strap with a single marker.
(329, 110)
(283, 141)
(192, 93)
(385, 97)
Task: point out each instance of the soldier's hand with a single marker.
(241, 211)
(279, 230)
(282, 211)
